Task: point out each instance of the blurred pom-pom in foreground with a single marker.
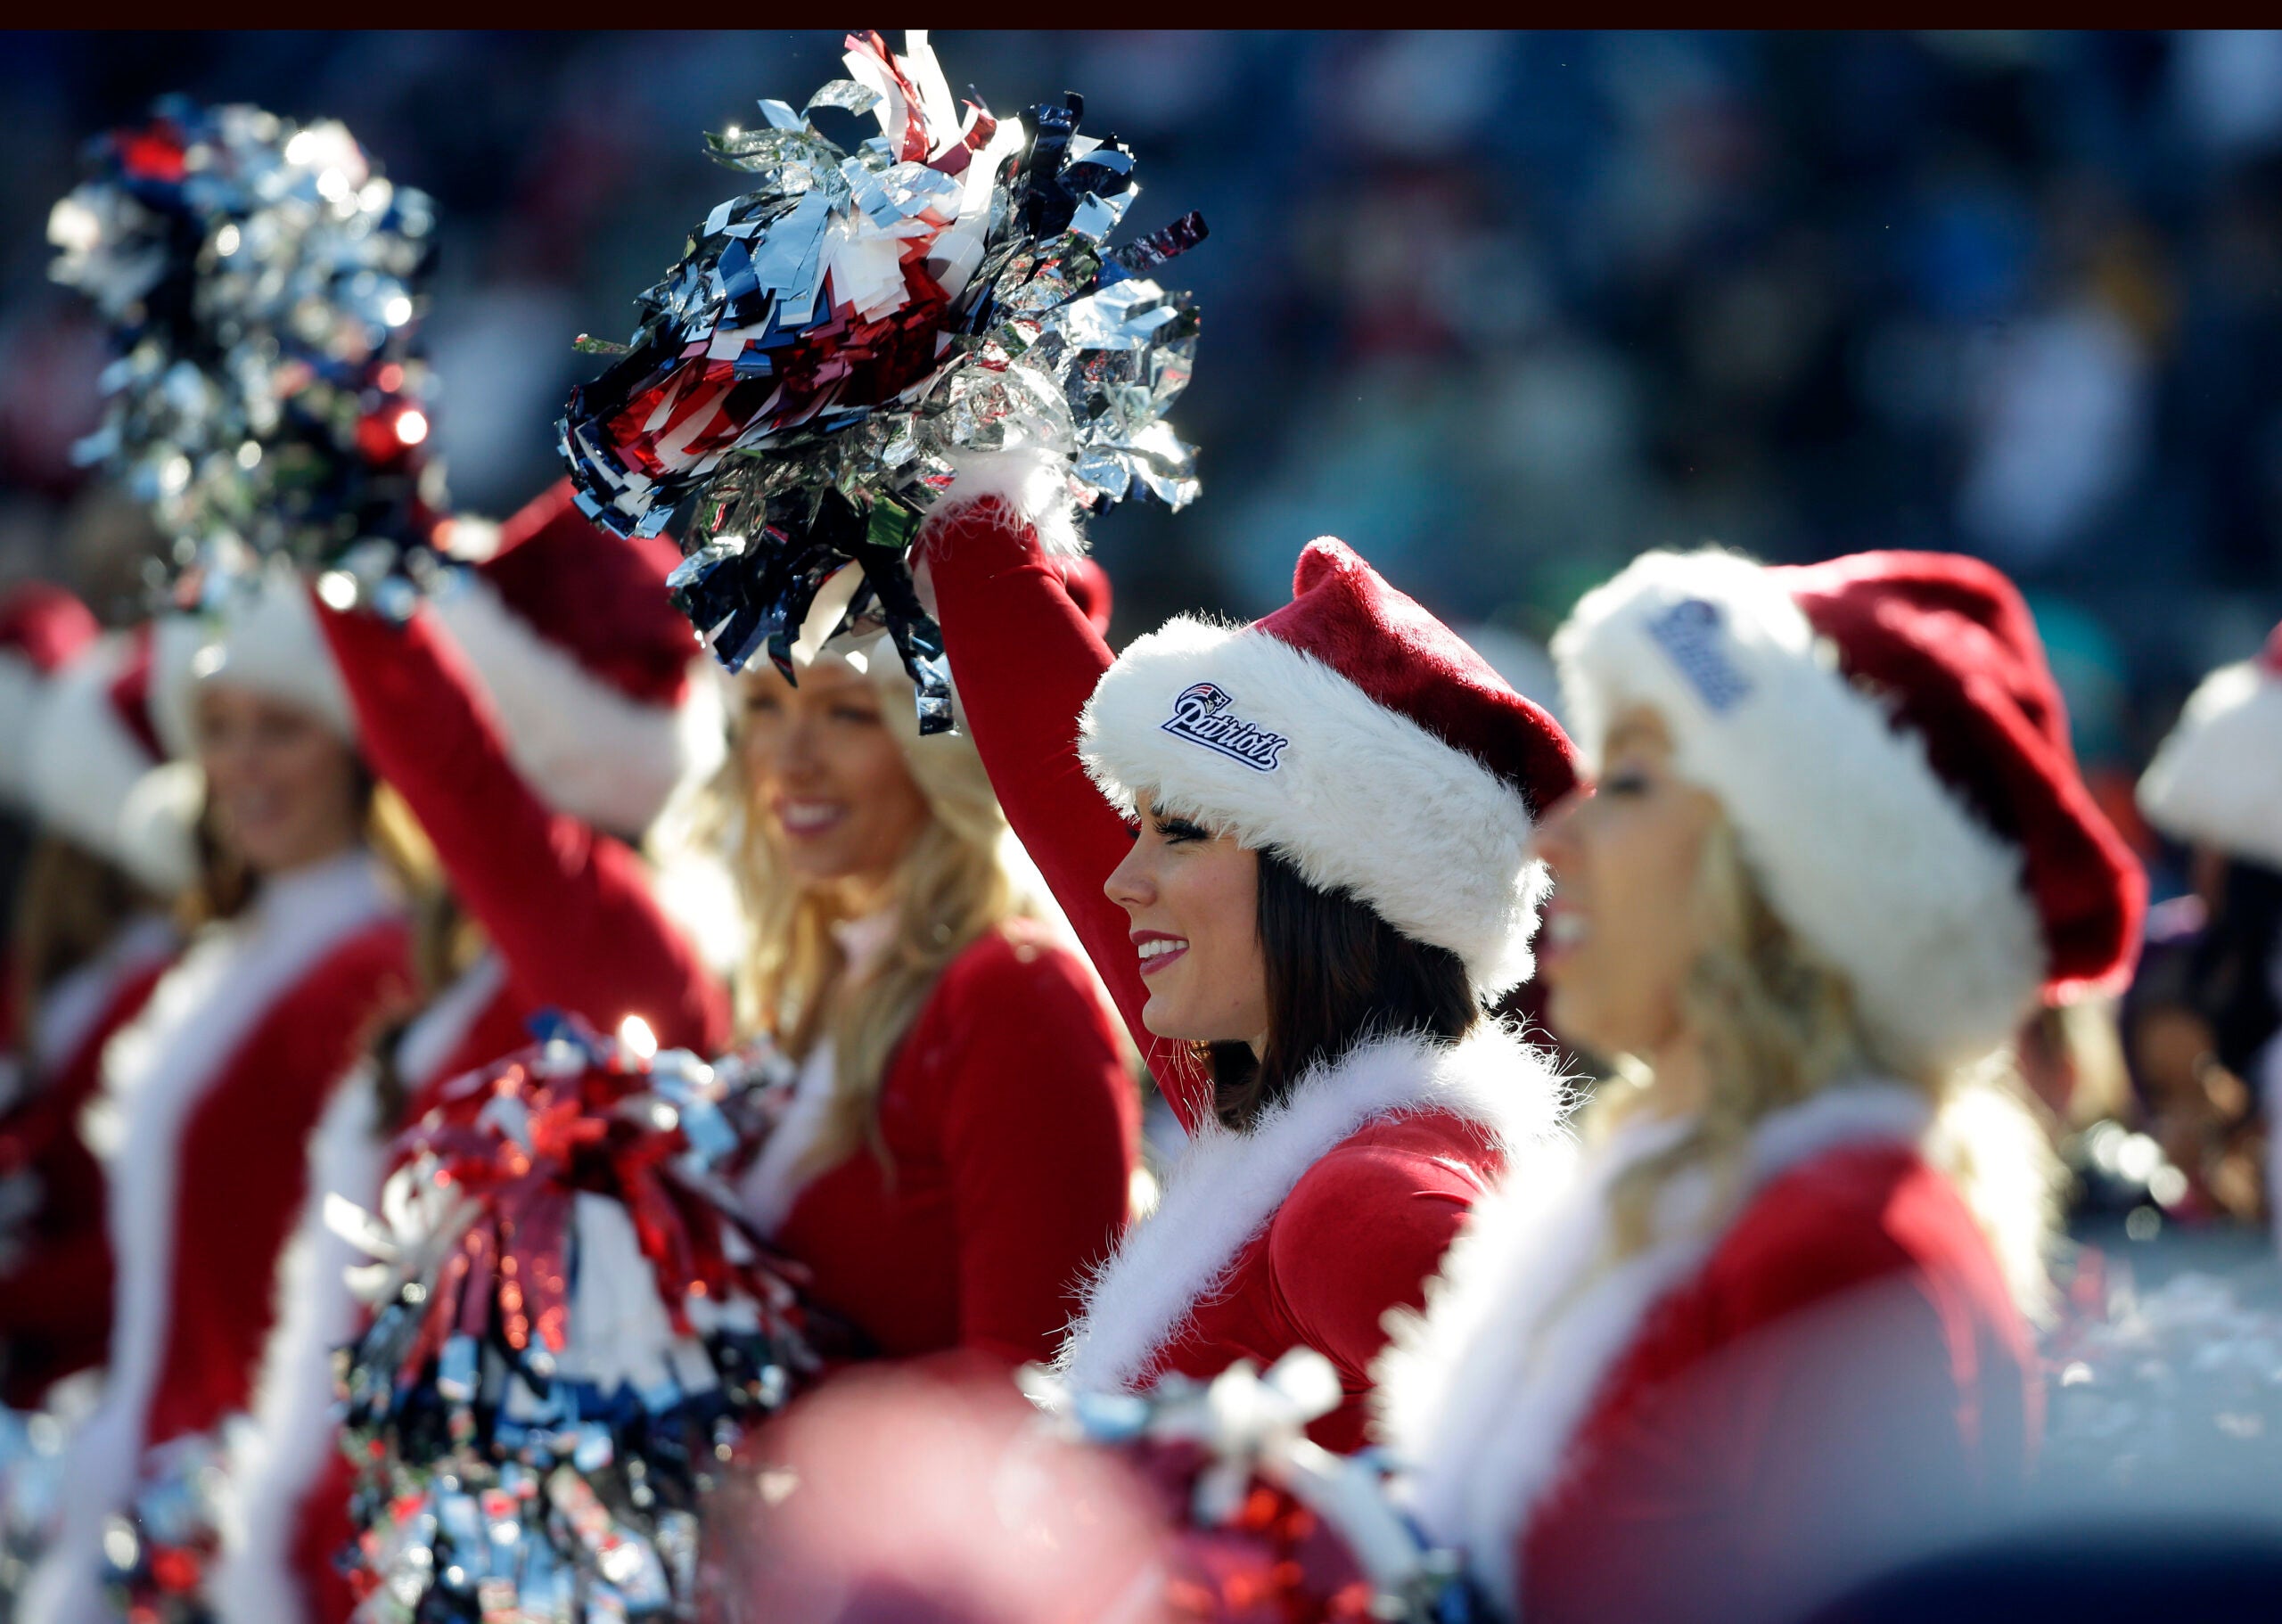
(263, 283)
(574, 1332)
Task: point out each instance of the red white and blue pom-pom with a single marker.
(832, 344)
(1267, 1526)
(263, 283)
(574, 1330)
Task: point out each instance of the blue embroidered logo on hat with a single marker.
(1691, 632)
(1200, 715)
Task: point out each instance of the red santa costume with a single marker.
(1010, 1127)
(543, 706)
(1382, 757)
(1777, 1383)
(208, 1097)
(93, 773)
(1009, 1121)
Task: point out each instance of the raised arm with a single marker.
(1026, 660)
(569, 909)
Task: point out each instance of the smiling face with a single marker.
(827, 778)
(1194, 901)
(283, 785)
(1620, 935)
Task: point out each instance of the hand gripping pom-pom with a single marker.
(574, 1330)
(262, 282)
(832, 345)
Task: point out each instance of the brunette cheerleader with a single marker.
(209, 1097)
(1774, 1331)
(1296, 851)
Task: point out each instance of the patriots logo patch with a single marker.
(1201, 715)
(1694, 634)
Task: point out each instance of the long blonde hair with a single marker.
(960, 879)
(1777, 1025)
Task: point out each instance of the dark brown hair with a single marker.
(1337, 973)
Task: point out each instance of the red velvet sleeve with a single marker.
(1361, 1233)
(1026, 660)
(1040, 1129)
(1839, 1391)
(569, 909)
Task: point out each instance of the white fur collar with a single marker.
(156, 1071)
(1227, 1185)
(1481, 1395)
(277, 1457)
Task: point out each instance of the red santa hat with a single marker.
(2217, 778)
(261, 635)
(1886, 737)
(41, 628)
(1353, 734)
(98, 774)
(593, 672)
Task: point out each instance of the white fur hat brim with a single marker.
(265, 637)
(1355, 796)
(93, 781)
(586, 746)
(1859, 845)
(2217, 779)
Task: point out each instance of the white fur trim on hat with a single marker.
(264, 637)
(583, 744)
(1859, 845)
(87, 777)
(2217, 779)
(1299, 760)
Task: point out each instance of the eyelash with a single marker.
(1180, 831)
(1625, 784)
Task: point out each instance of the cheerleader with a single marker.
(2216, 783)
(535, 720)
(960, 1145)
(1296, 852)
(209, 1097)
(1774, 1331)
(93, 935)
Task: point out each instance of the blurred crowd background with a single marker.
(1501, 310)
